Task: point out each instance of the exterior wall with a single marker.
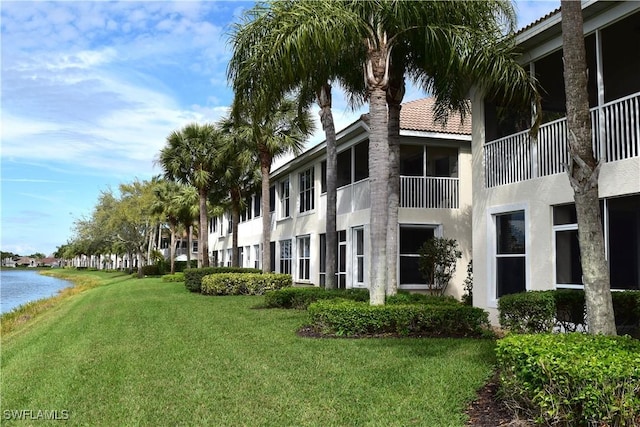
(353, 212)
(536, 197)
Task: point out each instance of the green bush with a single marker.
(181, 266)
(300, 298)
(177, 277)
(243, 283)
(527, 312)
(193, 276)
(572, 379)
(414, 298)
(151, 270)
(351, 318)
(531, 312)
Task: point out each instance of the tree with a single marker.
(278, 44)
(438, 261)
(189, 156)
(273, 132)
(240, 176)
(583, 171)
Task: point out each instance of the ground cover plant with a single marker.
(148, 352)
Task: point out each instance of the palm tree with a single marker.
(446, 46)
(240, 176)
(277, 44)
(273, 132)
(189, 156)
(583, 175)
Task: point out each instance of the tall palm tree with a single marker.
(273, 132)
(278, 44)
(189, 156)
(451, 45)
(240, 176)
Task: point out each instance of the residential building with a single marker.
(524, 220)
(435, 200)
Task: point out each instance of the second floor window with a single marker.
(284, 199)
(306, 190)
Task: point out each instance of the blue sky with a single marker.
(91, 89)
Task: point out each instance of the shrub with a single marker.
(351, 318)
(409, 298)
(626, 308)
(193, 276)
(437, 262)
(572, 379)
(527, 312)
(180, 266)
(177, 277)
(151, 270)
(300, 298)
(243, 283)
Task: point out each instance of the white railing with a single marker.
(615, 129)
(428, 192)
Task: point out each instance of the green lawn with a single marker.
(145, 352)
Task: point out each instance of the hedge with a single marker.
(193, 276)
(351, 318)
(571, 379)
(564, 310)
(243, 283)
(300, 298)
(177, 277)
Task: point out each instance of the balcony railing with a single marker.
(615, 127)
(428, 192)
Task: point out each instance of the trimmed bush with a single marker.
(527, 312)
(404, 297)
(193, 276)
(530, 312)
(243, 283)
(181, 266)
(151, 270)
(177, 277)
(351, 318)
(572, 379)
(300, 298)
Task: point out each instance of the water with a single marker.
(18, 287)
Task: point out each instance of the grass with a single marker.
(147, 352)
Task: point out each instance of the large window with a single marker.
(304, 257)
(272, 198)
(284, 199)
(412, 237)
(285, 256)
(306, 190)
(510, 262)
(621, 227)
(353, 164)
(418, 160)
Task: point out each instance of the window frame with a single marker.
(304, 258)
(306, 190)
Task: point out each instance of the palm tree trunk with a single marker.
(326, 118)
(395, 93)
(377, 81)
(265, 169)
(189, 234)
(583, 175)
(203, 238)
(172, 249)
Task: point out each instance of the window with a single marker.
(322, 268)
(214, 258)
(621, 226)
(306, 190)
(284, 199)
(285, 256)
(272, 198)
(358, 252)
(272, 258)
(194, 247)
(361, 161)
(412, 160)
(442, 162)
(257, 256)
(240, 256)
(230, 225)
(411, 239)
(257, 205)
(342, 260)
(229, 257)
(214, 224)
(304, 257)
(343, 169)
(510, 266)
(323, 177)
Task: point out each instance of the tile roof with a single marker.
(418, 116)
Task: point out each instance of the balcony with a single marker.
(428, 192)
(615, 128)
